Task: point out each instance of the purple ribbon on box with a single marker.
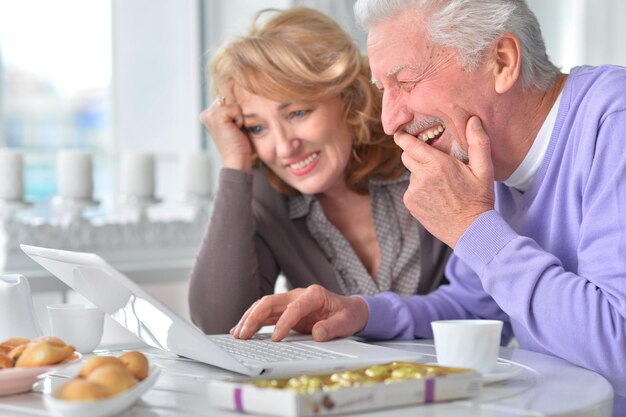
(238, 400)
(429, 391)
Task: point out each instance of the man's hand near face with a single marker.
(444, 194)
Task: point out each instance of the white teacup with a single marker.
(80, 325)
(467, 343)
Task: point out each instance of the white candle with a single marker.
(196, 175)
(137, 174)
(11, 175)
(75, 174)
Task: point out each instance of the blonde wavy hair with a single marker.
(301, 54)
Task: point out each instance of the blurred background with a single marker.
(112, 75)
(108, 76)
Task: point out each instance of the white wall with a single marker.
(156, 81)
(583, 31)
(156, 61)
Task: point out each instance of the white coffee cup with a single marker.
(467, 343)
(80, 325)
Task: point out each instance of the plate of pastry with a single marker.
(104, 386)
(23, 361)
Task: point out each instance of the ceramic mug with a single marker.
(80, 325)
(467, 343)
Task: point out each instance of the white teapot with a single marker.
(17, 315)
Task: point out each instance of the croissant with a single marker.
(137, 364)
(6, 348)
(15, 353)
(16, 341)
(42, 353)
(54, 341)
(5, 361)
(74, 356)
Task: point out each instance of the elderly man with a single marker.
(471, 97)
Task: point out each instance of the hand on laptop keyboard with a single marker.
(263, 350)
(313, 310)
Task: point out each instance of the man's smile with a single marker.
(428, 132)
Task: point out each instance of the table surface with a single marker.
(546, 386)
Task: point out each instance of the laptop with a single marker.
(131, 306)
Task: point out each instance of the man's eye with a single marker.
(407, 86)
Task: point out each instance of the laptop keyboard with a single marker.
(262, 349)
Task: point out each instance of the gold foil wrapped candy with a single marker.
(379, 372)
(306, 384)
(385, 373)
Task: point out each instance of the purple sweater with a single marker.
(552, 261)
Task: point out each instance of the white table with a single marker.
(546, 386)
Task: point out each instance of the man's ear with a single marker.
(507, 54)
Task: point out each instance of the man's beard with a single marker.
(459, 153)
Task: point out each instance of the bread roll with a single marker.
(104, 376)
(137, 364)
(115, 379)
(81, 390)
(97, 361)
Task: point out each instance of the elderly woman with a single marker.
(311, 187)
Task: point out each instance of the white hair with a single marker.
(470, 27)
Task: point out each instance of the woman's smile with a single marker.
(304, 165)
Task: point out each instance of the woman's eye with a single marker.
(254, 130)
(296, 114)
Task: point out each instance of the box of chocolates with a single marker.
(388, 385)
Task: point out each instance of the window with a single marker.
(112, 75)
(55, 83)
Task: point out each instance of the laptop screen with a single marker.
(154, 323)
(130, 305)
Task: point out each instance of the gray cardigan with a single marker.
(251, 240)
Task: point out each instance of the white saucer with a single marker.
(501, 372)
